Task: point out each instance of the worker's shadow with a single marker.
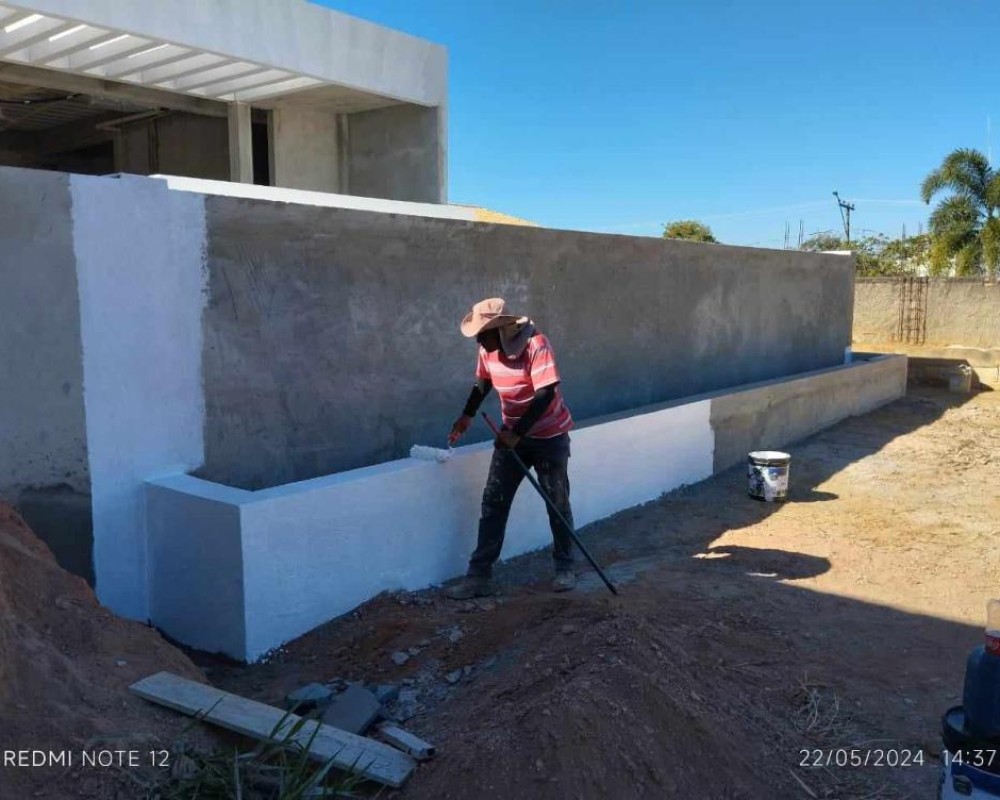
(779, 565)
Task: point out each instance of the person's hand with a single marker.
(507, 439)
(458, 428)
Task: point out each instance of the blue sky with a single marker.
(618, 117)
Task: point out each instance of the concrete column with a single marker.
(343, 154)
(306, 149)
(240, 144)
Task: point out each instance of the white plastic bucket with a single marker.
(767, 475)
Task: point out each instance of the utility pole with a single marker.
(845, 215)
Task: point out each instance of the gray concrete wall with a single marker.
(950, 311)
(177, 144)
(305, 149)
(331, 335)
(43, 442)
(397, 153)
(776, 413)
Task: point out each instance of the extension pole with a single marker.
(552, 506)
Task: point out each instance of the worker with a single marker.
(517, 360)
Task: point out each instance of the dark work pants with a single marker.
(549, 458)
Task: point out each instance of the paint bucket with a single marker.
(970, 766)
(767, 475)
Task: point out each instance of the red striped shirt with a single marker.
(517, 379)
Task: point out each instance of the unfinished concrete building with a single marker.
(286, 94)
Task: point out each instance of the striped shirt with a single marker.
(517, 379)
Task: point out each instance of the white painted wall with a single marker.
(141, 273)
(316, 549)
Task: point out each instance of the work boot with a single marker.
(472, 586)
(563, 581)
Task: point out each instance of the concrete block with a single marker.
(309, 697)
(353, 710)
(385, 692)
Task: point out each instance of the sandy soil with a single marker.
(65, 667)
(746, 638)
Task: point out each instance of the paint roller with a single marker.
(425, 453)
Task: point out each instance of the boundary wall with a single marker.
(152, 330)
(242, 572)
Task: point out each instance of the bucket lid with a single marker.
(769, 458)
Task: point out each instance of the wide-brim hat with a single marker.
(487, 314)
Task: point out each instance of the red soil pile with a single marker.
(65, 667)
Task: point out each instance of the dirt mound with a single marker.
(610, 706)
(65, 665)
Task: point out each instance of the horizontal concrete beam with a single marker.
(299, 37)
(78, 84)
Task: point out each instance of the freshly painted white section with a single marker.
(310, 198)
(141, 273)
(315, 549)
(307, 41)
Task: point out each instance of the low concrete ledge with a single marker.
(242, 572)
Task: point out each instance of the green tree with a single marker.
(819, 242)
(876, 255)
(906, 256)
(689, 229)
(965, 226)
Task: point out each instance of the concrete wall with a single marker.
(305, 549)
(140, 264)
(948, 311)
(276, 342)
(177, 144)
(781, 411)
(397, 152)
(43, 440)
(306, 148)
(332, 335)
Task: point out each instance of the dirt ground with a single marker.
(65, 666)
(755, 651)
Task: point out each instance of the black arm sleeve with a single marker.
(543, 399)
(480, 389)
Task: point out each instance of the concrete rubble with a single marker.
(353, 710)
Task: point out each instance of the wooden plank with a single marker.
(406, 741)
(374, 760)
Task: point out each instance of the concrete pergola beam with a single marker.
(315, 46)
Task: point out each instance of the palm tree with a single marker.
(966, 225)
